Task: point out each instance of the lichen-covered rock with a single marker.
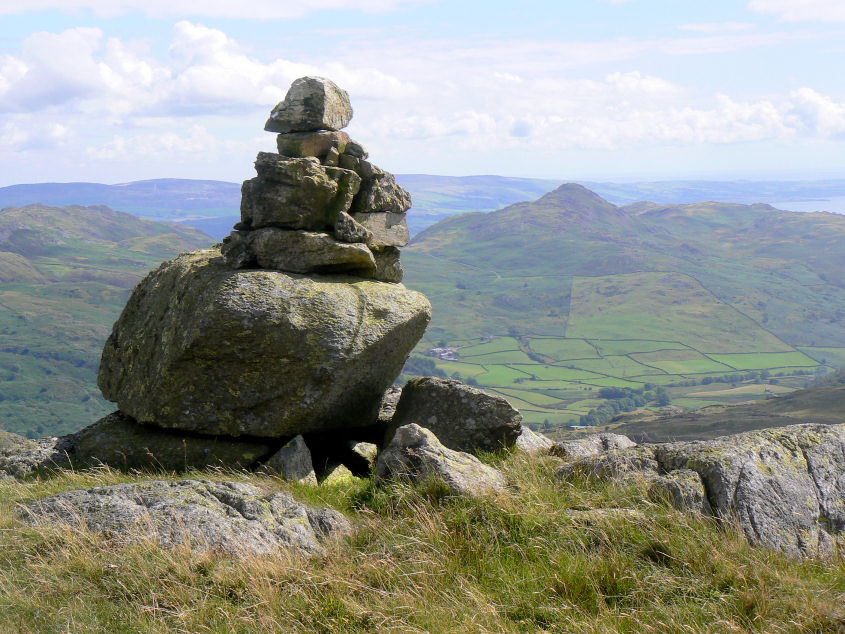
(347, 229)
(120, 442)
(297, 252)
(365, 453)
(591, 445)
(415, 454)
(785, 487)
(463, 418)
(356, 150)
(233, 517)
(379, 191)
(532, 442)
(311, 103)
(293, 462)
(205, 348)
(387, 229)
(296, 193)
(337, 473)
(311, 143)
(388, 265)
(21, 456)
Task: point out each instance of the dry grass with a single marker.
(551, 557)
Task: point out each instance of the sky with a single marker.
(118, 90)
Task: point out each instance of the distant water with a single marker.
(836, 205)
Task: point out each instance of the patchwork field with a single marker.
(554, 381)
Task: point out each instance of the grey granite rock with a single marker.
(233, 517)
(414, 453)
(388, 265)
(292, 462)
(532, 442)
(311, 143)
(297, 252)
(205, 348)
(463, 418)
(387, 229)
(311, 103)
(591, 445)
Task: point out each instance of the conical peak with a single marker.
(312, 103)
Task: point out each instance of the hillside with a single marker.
(551, 301)
(822, 403)
(65, 274)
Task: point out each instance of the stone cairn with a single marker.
(319, 206)
(277, 350)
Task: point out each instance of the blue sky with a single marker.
(118, 90)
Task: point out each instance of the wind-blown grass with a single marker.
(551, 556)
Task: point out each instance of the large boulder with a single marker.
(785, 487)
(463, 418)
(312, 103)
(415, 454)
(204, 348)
(236, 518)
(120, 442)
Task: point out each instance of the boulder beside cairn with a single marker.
(319, 206)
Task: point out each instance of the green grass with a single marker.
(662, 306)
(560, 349)
(681, 362)
(499, 344)
(609, 348)
(557, 373)
(830, 356)
(529, 396)
(568, 556)
(500, 375)
(466, 370)
(764, 361)
(618, 366)
(507, 356)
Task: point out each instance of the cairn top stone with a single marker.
(312, 103)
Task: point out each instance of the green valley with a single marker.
(555, 302)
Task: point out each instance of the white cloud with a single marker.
(196, 141)
(818, 115)
(716, 27)
(254, 9)
(802, 10)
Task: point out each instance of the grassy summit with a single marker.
(569, 556)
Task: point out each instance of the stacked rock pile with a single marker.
(319, 206)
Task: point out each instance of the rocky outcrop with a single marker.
(202, 347)
(462, 417)
(532, 442)
(415, 454)
(233, 517)
(21, 456)
(785, 487)
(591, 445)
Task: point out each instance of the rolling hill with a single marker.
(549, 302)
(65, 274)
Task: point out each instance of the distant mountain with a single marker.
(213, 206)
(65, 274)
(580, 295)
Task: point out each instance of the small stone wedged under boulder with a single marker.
(785, 487)
(236, 518)
(292, 462)
(387, 229)
(311, 103)
(463, 418)
(532, 442)
(202, 347)
(415, 454)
